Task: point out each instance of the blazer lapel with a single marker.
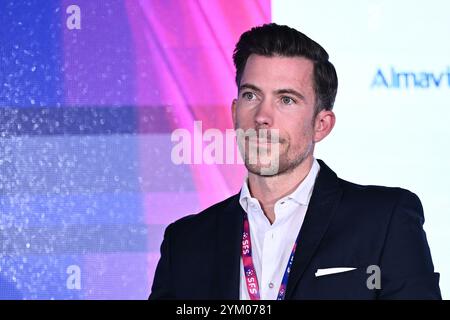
(324, 200)
(226, 276)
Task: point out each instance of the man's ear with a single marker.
(323, 124)
(233, 112)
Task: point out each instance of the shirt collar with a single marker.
(301, 195)
(303, 192)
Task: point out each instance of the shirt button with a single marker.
(271, 285)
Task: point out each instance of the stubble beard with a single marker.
(286, 159)
(286, 164)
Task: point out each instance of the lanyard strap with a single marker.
(249, 269)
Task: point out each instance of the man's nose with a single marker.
(264, 114)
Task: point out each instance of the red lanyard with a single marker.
(249, 269)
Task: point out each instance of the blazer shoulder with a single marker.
(377, 193)
(381, 202)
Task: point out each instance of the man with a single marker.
(297, 231)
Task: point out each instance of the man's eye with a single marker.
(248, 95)
(287, 100)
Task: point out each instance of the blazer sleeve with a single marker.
(162, 287)
(407, 270)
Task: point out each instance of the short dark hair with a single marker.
(273, 39)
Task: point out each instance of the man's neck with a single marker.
(269, 189)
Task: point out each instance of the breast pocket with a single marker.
(337, 284)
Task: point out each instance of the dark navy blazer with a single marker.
(346, 225)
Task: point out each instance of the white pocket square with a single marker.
(324, 272)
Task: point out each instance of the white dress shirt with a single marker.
(272, 244)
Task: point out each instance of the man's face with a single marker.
(277, 93)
